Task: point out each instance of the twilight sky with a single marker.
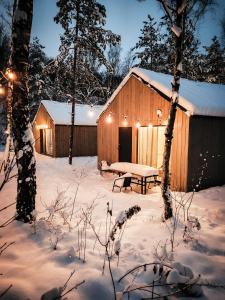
(124, 17)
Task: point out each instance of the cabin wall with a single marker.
(139, 102)
(42, 118)
(85, 140)
(206, 152)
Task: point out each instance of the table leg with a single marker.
(142, 183)
(145, 183)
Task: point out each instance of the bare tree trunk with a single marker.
(21, 126)
(74, 87)
(178, 28)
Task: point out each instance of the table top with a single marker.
(141, 170)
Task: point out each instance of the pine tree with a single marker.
(148, 46)
(37, 79)
(22, 131)
(214, 62)
(84, 34)
(113, 77)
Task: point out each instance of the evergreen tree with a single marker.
(113, 77)
(148, 45)
(4, 47)
(214, 62)
(21, 126)
(37, 79)
(84, 34)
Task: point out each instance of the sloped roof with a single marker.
(60, 112)
(198, 98)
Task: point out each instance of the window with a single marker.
(151, 145)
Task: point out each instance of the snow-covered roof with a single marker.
(198, 98)
(60, 112)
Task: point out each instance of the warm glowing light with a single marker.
(150, 125)
(165, 122)
(42, 126)
(2, 90)
(90, 113)
(159, 113)
(138, 124)
(109, 118)
(125, 121)
(11, 75)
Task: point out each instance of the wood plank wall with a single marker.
(43, 118)
(139, 102)
(206, 152)
(85, 140)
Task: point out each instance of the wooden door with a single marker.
(41, 141)
(125, 144)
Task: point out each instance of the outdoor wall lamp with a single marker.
(125, 121)
(159, 113)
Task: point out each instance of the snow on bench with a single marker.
(141, 170)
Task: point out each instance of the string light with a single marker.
(91, 111)
(10, 75)
(109, 118)
(2, 90)
(125, 121)
(42, 126)
(138, 124)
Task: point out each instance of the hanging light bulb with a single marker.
(138, 124)
(91, 111)
(10, 75)
(109, 118)
(2, 90)
(125, 121)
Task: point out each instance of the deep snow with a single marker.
(33, 267)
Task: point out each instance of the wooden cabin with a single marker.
(51, 128)
(132, 124)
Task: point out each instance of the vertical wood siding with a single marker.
(139, 102)
(206, 152)
(85, 140)
(43, 118)
(85, 137)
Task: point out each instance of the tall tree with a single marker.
(38, 81)
(148, 46)
(22, 131)
(214, 62)
(177, 12)
(84, 34)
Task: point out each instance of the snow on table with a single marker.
(141, 170)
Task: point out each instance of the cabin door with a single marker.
(48, 141)
(125, 144)
(41, 141)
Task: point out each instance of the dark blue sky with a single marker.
(124, 17)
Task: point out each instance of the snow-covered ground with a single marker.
(33, 267)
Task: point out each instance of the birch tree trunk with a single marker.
(21, 126)
(178, 29)
(74, 86)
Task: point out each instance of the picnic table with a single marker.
(142, 174)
